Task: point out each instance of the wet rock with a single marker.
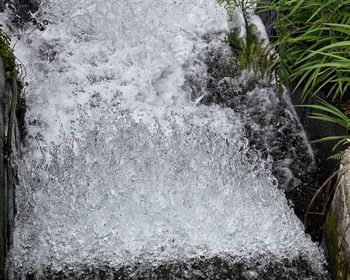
(22, 10)
(271, 123)
(229, 268)
(268, 17)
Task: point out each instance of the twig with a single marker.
(325, 184)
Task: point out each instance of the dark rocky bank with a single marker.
(229, 268)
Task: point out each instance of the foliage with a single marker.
(338, 156)
(332, 114)
(252, 52)
(244, 5)
(313, 42)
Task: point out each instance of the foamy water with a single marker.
(120, 164)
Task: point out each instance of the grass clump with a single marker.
(252, 51)
(313, 42)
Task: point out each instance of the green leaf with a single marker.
(338, 156)
(331, 138)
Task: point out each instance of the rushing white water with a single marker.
(120, 164)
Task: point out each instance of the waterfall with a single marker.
(123, 169)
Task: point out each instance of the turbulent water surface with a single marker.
(123, 173)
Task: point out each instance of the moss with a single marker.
(336, 254)
(7, 55)
(13, 80)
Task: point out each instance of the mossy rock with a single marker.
(337, 227)
(7, 55)
(337, 255)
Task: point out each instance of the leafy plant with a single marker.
(252, 52)
(332, 114)
(313, 42)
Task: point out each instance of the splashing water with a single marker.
(120, 166)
